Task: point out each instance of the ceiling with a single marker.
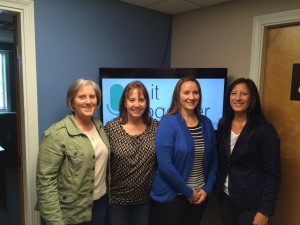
(165, 6)
(174, 6)
(6, 19)
(6, 26)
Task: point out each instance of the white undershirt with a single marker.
(233, 139)
(101, 158)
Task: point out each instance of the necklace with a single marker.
(91, 134)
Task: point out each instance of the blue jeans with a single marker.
(128, 215)
(98, 212)
(178, 211)
(229, 215)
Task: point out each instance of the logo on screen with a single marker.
(115, 95)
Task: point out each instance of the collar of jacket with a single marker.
(72, 128)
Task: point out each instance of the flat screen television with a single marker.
(160, 84)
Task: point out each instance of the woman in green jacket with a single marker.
(72, 163)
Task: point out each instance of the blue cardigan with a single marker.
(175, 155)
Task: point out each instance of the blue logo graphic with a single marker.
(115, 95)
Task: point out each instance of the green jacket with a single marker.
(65, 173)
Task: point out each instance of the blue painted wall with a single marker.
(76, 37)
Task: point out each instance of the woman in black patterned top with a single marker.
(132, 140)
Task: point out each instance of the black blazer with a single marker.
(253, 168)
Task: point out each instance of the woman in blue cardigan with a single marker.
(187, 159)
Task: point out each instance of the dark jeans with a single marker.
(128, 215)
(229, 215)
(98, 212)
(176, 212)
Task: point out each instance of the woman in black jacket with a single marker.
(248, 177)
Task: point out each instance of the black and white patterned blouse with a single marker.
(132, 163)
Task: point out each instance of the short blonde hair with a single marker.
(73, 89)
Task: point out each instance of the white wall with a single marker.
(221, 36)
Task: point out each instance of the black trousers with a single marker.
(176, 212)
(229, 215)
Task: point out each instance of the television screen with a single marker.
(160, 84)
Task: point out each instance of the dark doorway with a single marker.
(9, 166)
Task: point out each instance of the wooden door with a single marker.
(283, 50)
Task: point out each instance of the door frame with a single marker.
(259, 41)
(28, 102)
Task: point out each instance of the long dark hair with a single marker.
(175, 104)
(123, 118)
(254, 111)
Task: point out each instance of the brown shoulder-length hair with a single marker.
(123, 118)
(175, 104)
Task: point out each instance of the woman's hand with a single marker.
(195, 197)
(202, 196)
(198, 197)
(260, 219)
